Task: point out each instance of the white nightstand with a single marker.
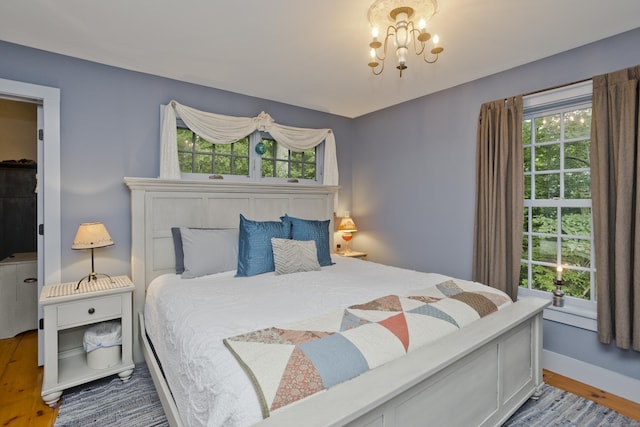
(67, 314)
(353, 254)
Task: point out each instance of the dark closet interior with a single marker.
(18, 201)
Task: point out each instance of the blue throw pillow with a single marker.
(307, 229)
(255, 255)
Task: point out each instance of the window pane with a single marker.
(222, 165)
(203, 163)
(576, 221)
(184, 140)
(544, 220)
(203, 145)
(309, 171)
(267, 167)
(282, 153)
(527, 159)
(185, 160)
(577, 124)
(527, 187)
(548, 157)
(548, 128)
(577, 284)
(282, 169)
(524, 275)
(577, 185)
(310, 156)
(241, 148)
(526, 131)
(296, 156)
(542, 278)
(547, 186)
(544, 249)
(241, 166)
(223, 148)
(296, 170)
(270, 143)
(576, 155)
(576, 252)
(525, 222)
(525, 246)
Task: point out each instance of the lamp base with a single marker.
(91, 277)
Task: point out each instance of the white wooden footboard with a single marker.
(477, 376)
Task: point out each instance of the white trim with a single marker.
(595, 376)
(575, 312)
(49, 257)
(566, 93)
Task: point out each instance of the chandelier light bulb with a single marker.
(374, 32)
(436, 39)
(372, 53)
(422, 24)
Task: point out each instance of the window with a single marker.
(241, 159)
(557, 210)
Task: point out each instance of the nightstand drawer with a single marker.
(90, 310)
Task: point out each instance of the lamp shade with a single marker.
(347, 225)
(91, 235)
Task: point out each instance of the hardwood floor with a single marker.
(21, 380)
(618, 404)
(20, 384)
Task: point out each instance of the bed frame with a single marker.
(477, 376)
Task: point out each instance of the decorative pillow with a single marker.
(293, 256)
(208, 251)
(255, 255)
(306, 229)
(177, 249)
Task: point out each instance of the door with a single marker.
(48, 199)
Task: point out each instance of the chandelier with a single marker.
(401, 30)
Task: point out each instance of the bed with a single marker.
(477, 375)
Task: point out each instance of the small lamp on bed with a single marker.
(91, 235)
(346, 227)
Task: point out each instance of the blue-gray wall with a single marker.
(110, 127)
(413, 177)
(407, 172)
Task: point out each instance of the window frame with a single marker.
(255, 163)
(576, 312)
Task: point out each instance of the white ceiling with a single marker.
(307, 53)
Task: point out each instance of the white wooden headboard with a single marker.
(159, 204)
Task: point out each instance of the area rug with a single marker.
(110, 402)
(560, 408)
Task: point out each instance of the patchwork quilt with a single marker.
(291, 362)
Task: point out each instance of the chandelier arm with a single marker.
(429, 61)
(416, 41)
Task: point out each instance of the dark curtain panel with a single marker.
(615, 170)
(497, 242)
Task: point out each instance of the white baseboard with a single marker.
(595, 376)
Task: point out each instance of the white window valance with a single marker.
(221, 129)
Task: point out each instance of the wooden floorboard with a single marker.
(618, 404)
(21, 381)
(20, 384)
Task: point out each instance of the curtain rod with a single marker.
(556, 87)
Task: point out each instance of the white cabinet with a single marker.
(18, 294)
(68, 312)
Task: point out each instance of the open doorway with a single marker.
(47, 139)
(18, 210)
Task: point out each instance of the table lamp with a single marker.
(91, 235)
(347, 226)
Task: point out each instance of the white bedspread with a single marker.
(188, 319)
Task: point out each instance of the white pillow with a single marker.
(208, 251)
(293, 256)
